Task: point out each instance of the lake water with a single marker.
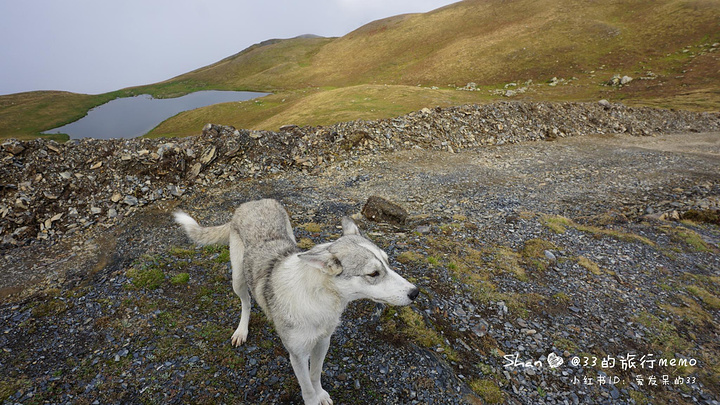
(131, 117)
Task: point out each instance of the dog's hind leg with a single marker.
(237, 251)
(316, 363)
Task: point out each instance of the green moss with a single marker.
(507, 260)
(556, 223)
(212, 249)
(488, 390)
(664, 336)
(311, 227)
(409, 257)
(149, 278)
(566, 344)
(559, 224)
(707, 297)
(213, 334)
(224, 256)
(692, 239)
(535, 248)
(167, 321)
(305, 243)
(181, 278)
(410, 325)
(533, 253)
(639, 397)
(707, 216)
(50, 307)
(181, 252)
(561, 298)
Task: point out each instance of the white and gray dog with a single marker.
(302, 293)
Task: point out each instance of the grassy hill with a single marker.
(672, 44)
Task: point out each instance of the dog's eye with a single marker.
(374, 274)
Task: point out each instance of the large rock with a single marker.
(379, 209)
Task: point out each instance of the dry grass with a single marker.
(560, 224)
(316, 107)
(589, 265)
(26, 114)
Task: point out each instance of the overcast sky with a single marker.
(96, 46)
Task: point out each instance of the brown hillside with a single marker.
(487, 42)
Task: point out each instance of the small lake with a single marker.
(131, 117)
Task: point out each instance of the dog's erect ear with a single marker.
(349, 227)
(322, 260)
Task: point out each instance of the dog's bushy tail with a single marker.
(211, 235)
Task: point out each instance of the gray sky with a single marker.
(96, 46)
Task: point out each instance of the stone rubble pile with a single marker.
(48, 189)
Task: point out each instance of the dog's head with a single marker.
(360, 269)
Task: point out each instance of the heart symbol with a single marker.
(554, 361)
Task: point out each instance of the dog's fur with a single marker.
(302, 293)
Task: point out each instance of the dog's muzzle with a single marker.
(414, 293)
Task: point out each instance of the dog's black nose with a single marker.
(414, 293)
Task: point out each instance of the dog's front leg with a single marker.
(316, 364)
(302, 372)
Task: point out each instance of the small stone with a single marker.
(13, 147)
(195, 170)
(175, 191)
(116, 197)
(423, 229)
(550, 256)
(208, 156)
(96, 166)
(481, 328)
(130, 200)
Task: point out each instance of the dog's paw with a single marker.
(323, 398)
(239, 337)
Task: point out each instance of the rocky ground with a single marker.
(563, 258)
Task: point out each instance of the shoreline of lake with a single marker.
(132, 117)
